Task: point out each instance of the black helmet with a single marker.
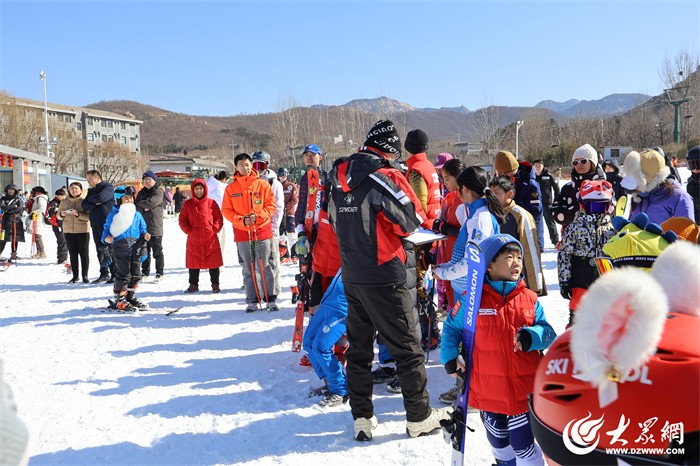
(282, 172)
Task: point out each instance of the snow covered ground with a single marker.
(207, 385)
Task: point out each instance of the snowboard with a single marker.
(455, 427)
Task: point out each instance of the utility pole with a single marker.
(677, 96)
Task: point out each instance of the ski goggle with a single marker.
(693, 164)
(596, 207)
(259, 166)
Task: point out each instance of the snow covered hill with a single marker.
(208, 385)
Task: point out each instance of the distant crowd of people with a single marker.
(365, 282)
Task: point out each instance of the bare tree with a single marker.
(286, 125)
(114, 161)
(488, 127)
(677, 70)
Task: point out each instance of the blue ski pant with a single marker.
(325, 328)
(511, 439)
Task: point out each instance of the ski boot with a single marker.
(120, 304)
(136, 302)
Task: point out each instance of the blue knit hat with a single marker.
(150, 174)
(491, 245)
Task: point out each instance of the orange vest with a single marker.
(501, 379)
(421, 164)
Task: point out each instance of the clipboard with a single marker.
(423, 236)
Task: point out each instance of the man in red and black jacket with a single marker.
(372, 207)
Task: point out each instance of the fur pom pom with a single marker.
(618, 325)
(122, 220)
(677, 269)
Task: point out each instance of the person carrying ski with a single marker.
(424, 181)
(372, 207)
(249, 205)
(12, 206)
(511, 330)
(125, 230)
(201, 220)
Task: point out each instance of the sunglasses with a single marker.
(582, 162)
(693, 164)
(596, 207)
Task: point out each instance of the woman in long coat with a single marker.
(11, 205)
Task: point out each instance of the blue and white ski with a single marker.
(455, 428)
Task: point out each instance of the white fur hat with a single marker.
(677, 269)
(647, 168)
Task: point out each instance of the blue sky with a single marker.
(231, 57)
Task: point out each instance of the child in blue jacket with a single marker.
(125, 230)
(325, 328)
(511, 330)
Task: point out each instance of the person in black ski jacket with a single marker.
(149, 203)
(693, 163)
(178, 199)
(12, 206)
(612, 174)
(57, 226)
(99, 202)
(584, 167)
(372, 207)
(549, 188)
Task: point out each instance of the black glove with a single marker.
(565, 290)
(525, 340)
(438, 225)
(451, 366)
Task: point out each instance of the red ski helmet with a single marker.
(572, 429)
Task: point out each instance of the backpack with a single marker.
(50, 217)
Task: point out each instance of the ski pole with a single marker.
(262, 267)
(252, 266)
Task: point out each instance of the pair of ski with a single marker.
(312, 177)
(454, 429)
(168, 311)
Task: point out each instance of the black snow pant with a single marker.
(389, 311)
(103, 253)
(78, 247)
(127, 272)
(551, 225)
(61, 251)
(155, 250)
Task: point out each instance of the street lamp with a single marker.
(517, 130)
(54, 140)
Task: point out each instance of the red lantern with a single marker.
(10, 161)
(2, 160)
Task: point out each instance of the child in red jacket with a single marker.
(201, 219)
(511, 330)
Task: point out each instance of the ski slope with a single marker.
(207, 385)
